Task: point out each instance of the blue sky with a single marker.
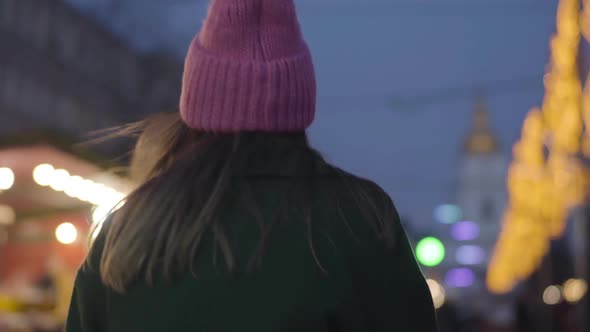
(372, 54)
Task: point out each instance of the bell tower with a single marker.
(482, 179)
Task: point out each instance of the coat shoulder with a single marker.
(368, 187)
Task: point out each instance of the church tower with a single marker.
(482, 179)
(482, 197)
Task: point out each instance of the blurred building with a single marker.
(469, 234)
(482, 194)
(62, 75)
(61, 70)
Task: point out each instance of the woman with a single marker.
(238, 225)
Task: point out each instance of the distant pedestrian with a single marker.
(237, 223)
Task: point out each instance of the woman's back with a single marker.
(324, 269)
(237, 224)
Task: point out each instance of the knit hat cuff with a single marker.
(225, 94)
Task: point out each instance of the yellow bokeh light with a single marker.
(86, 193)
(552, 295)
(574, 290)
(66, 233)
(7, 215)
(6, 178)
(74, 186)
(438, 293)
(59, 180)
(43, 174)
(101, 212)
(77, 187)
(546, 179)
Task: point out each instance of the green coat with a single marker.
(350, 281)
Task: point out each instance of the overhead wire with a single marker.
(451, 94)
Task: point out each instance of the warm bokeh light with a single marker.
(7, 215)
(430, 251)
(447, 214)
(546, 178)
(66, 233)
(87, 194)
(59, 180)
(552, 295)
(92, 192)
(6, 178)
(43, 174)
(100, 214)
(74, 186)
(438, 293)
(574, 290)
(77, 187)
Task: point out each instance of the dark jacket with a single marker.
(348, 280)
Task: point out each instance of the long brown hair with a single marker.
(184, 176)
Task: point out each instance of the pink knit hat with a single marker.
(249, 69)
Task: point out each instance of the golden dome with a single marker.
(481, 140)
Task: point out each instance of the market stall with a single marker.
(50, 200)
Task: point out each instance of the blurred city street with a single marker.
(474, 116)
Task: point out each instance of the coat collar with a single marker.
(299, 162)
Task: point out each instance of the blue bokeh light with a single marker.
(460, 277)
(447, 214)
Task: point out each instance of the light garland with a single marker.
(543, 188)
(6, 178)
(76, 186)
(104, 198)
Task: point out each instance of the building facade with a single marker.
(469, 239)
(482, 194)
(482, 197)
(62, 75)
(62, 70)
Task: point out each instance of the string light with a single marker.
(59, 180)
(6, 178)
(543, 187)
(104, 198)
(42, 174)
(66, 233)
(76, 186)
(100, 214)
